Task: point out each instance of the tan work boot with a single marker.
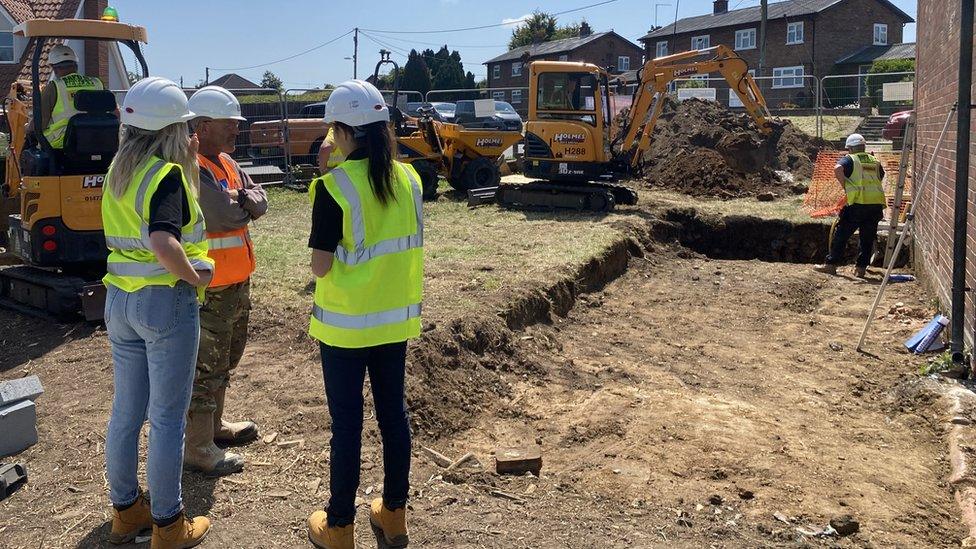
(826, 268)
(128, 524)
(325, 537)
(200, 452)
(390, 526)
(226, 432)
(860, 272)
(183, 533)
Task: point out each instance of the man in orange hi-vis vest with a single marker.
(229, 200)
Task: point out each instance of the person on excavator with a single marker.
(230, 200)
(57, 97)
(860, 175)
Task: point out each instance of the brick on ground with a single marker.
(18, 423)
(15, 390)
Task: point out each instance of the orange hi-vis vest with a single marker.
(232, 251)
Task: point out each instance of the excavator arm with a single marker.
(657, 74)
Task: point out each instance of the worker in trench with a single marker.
(230, 200)
(860, 175)
(367, 259)
(58, 95)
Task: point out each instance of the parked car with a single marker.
(895, 126)
(413, 109)
(505, 117)
(446, 110)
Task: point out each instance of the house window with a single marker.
(496, 72)
(498, 95)
(516, 96)
(700, 42)
(788, 77)
(6, 47)
(880, 34)
(794, 33)
(564, 57)
(623, 63)
(517, 68)
(662, 49)
(745, 39)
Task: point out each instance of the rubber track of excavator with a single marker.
(550, 195)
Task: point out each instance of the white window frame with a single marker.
(795, 75)
(498, 95)
(516, 68)
(15, 51)
(496, 72)
(662, 45)
(741, 44)
(796, 28)
(623, 63)
(516, 97)
(706, 42)
(880, 34)
(564, 57)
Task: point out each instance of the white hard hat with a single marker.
(61, 54)
(855, 140)
(356, 103)
(154, 103)
(217, 103)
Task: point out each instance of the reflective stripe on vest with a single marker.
(362, 253)
(362, 322)
(150, 269)
(232, 251)
(64, 106)
(864, 186)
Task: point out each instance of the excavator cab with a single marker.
(56, 231)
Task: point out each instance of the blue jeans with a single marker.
(155, 333)
(344, 371)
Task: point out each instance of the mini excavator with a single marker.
(577, 149)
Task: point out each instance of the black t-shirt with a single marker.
(327, 216)
(168, 208)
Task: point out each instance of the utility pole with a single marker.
(764, 15)
(355, 53)
(957, 317)
(206, 80)
(181, 81)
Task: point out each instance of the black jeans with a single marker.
(344, 371)
(862, 218)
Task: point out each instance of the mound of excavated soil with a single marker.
(703, 149)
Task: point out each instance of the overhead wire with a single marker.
(290, 57)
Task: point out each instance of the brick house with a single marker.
(101, 59)
(803, 38)
(936, 90)
(606, 49)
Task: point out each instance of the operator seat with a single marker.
(92, 136)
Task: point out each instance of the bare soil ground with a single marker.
(689, 403)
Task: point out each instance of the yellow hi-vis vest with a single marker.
(372, 295)
(64, 107)
(132, 265)
(864, 184)
(337, 157)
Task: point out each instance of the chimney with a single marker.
(585, 29)
(720, 6)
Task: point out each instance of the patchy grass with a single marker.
(472, 256)
(834, 127)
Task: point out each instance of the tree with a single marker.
(541, 27)
(446, 69)
(875, 81)
(271, 81)
(416, 75)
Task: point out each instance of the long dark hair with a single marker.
(379, 142)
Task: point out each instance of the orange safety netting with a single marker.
(825, 197)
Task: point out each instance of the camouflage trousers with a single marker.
(223, 335)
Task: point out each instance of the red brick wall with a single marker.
(937, 87)
(96, 53)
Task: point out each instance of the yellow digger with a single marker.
(56, 230)
(573, 144)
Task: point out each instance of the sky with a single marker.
(235, 35)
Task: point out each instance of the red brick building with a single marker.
(101, 59)
(936, 90)
(605, 49)
(803, 38)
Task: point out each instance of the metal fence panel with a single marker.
(518, 98)
(785, 95)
